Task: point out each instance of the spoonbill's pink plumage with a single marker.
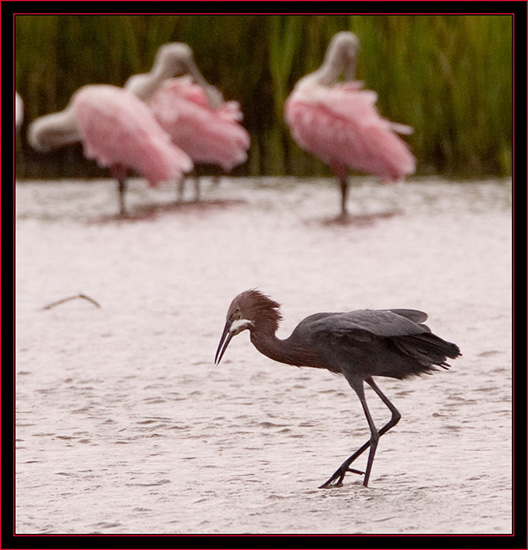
(195, 114)
(208, 135)
(118, 129)
(338, 121)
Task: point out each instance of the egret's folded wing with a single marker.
(382, 323)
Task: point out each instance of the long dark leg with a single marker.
(343, 184)
(337, 479)
(121, 188)
(341, 174)
(395, 418)
(181, 187)
(197, 188)
(119, 172)
(374, 436)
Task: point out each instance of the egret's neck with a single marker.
(268, 344)
(284, 351)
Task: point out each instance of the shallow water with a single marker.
(124, 425)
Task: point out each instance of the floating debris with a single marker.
(82, 296)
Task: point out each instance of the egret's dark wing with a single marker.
(412, 314)
(385, 323)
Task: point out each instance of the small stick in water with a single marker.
(83, 296)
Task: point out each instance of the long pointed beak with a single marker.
(224, 342)
(232, 328)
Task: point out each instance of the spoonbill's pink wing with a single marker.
(209, 136)
(118, 128)
(341, 125)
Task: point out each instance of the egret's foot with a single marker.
(329, 484)
(337, 479)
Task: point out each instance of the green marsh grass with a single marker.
(449, 77)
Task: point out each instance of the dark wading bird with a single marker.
(357, 344)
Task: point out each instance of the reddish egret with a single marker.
(357, 344)
(197, 118)
(339, 122)
(118, 129)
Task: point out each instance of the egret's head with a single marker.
(248, 311)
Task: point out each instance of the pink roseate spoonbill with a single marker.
(338, 121)
(19, 111)
(194, 113)
(209, 135)
(174, 58)
(60, 129)
(117, 130)
(357, 344)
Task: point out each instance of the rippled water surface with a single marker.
(124, 425)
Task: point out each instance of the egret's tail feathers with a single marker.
(428, 349)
